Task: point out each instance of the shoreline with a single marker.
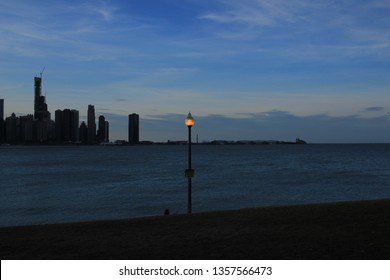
(205, 213)
(337, 230)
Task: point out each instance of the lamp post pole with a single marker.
(189, 168)
(189, 172)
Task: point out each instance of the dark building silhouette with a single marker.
(26, 125)
(43, 126)
(102, 134)
(1, 109)
(39, 128)
(133, 128)
(19, 129)
(2, 126)
(40, 107)
(101, 129)
(12, 128)
(83, 133)
(43, 131)
(107, 133)
(74, 125)
(58, 126)
(91, 124)
(67, 125)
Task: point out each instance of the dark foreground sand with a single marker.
(346, 230)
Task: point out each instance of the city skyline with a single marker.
(247, 70)
(39, 127)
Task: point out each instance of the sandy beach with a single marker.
(343, 230)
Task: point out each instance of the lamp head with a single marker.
(189, 120)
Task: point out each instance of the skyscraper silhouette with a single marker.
(102, 134)
(91, 124)
(58, 125)
(2, 120)
(43, 127)
(83, 133)
(67, 125)
(40, 107)
(74, 125)
(1, 109)
(133, 129)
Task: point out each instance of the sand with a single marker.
(337, 231)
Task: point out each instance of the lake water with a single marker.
(41, 185)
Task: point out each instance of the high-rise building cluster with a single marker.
(66, 128)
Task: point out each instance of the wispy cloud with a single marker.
(383, 4)
(374, 109)
(81, 31)
(106, 11)
(301, 27)
(258, 12)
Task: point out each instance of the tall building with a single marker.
(133, 128)
(107, 132)
(74, 126)
(2, 129)
(67, 125)
(66, 118)
(12, 128)
(91, 124)
(103, 131)
(58, 126)
(43, 126)
(83, 133)
(40, 107)
(1, 109)
(20, 129)
(43, 130)
(26, 128)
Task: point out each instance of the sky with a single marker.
(247, 70)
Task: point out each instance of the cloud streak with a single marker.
(73, 31)
(264, 13)
(374, 109)
(303, 23)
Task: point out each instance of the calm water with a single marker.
(60, 184)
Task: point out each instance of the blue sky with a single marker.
(250, 69)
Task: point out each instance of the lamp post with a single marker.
(189, 172)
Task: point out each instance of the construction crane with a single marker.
(42, 71)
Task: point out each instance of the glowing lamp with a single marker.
(189, 120)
